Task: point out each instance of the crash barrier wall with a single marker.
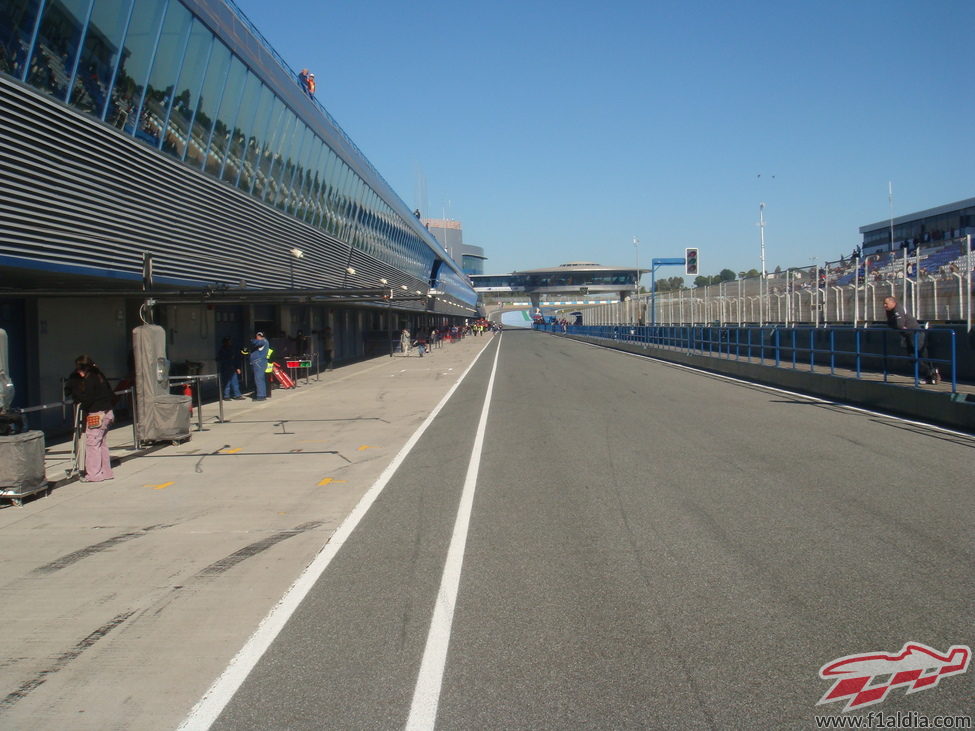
(956, 410)
(933, 281)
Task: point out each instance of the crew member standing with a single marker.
(404, 341)
(328, 347)
(88, 387)
(269, 368)
(229, 372)
(258, 352)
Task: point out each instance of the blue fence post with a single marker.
(916, 361)
(812, 350)
(857, 341)
(832, 352)
(795, 344)
(954, 363)
(884, 349)
(778, 347)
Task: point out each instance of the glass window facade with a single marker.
(159, 74)
(56, 47)
(18, 19)
(563, 280)
(188, 89)
(165, 71)
(472, 264)
(99, 55)
(922, 230)
(133, 71)
(207, 105)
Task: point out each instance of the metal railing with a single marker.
(70, 409)
(246, 376)
(196, 393)
(65, 406)
(860, 350)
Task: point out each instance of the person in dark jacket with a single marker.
(89, 388)
(899, 319)
(228, 361)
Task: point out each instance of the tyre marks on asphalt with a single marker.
(61, 661)
(215, 569)
(228, 562)
(83, 553)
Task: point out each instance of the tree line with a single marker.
(672, 284)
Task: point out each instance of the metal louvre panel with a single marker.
(75, 190)
(164, 207)
(368, 272)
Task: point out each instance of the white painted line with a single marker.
(815, 399)
(426, 695)
(211, 705)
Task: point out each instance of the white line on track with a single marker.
(816, 399)
(211, 705)
(426, 695)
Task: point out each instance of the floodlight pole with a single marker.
(764, 280)
(890, 202)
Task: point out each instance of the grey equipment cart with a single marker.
(22, 466)
(21, 455)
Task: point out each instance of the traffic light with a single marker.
(690, 262)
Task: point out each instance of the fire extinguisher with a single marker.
(188, 391)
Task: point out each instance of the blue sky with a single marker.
(559, 130)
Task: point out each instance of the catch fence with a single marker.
(932, 281)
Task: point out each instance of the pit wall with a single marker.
(951, 410)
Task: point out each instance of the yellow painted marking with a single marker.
(363, 448)
(329, 480)
(230, 451)
(163, 486)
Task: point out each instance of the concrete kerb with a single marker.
(936, 407)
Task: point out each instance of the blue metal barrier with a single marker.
(861, 349)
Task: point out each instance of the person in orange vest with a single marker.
(311, 85)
